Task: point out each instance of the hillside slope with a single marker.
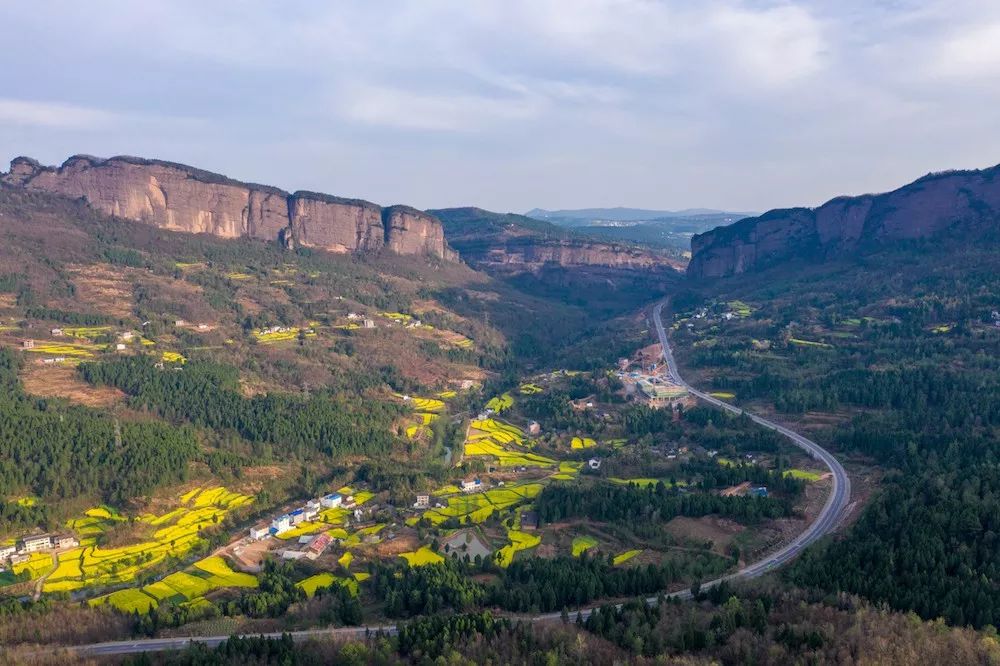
(953, 202)
(182, 198)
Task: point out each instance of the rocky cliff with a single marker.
(182, 198)
(518, 243)
(966, 202)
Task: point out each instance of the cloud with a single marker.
(971, 52)
(54, 115)
(408, 109)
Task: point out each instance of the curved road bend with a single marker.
(823, 524)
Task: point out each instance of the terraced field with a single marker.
(421, 557)
(501, 403)
(183, 587)
(582, 544)
(91, 566)
(518, 541)
(624, 557)
(273, 337)
(477, 507)
(326, 579)
(505, 442)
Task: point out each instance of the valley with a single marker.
(283, 438)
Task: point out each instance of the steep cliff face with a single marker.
(182, 198)
(518, 243)
(956, 201)
(410, 231)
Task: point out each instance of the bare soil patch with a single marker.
(719, 531)
(104, 287)
(53, 381)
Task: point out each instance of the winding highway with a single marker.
(824, 523)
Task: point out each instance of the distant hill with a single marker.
(548, 260)
(962, 204)
(661, 229)
(622, 214)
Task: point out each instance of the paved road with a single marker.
(823, 524)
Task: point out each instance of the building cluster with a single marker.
(655, 391)
(21, 550)
(308, 511)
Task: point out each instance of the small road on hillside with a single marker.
(824, 523)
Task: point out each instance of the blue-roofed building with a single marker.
(331, 501)
(758, 491)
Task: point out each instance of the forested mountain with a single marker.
(892, 360)
(962, 205)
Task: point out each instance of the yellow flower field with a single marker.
(421, 557)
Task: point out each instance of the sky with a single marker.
(515, 104)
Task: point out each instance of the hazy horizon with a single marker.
(516, 105)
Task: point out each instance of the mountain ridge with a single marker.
(928, 207)
(179, 197)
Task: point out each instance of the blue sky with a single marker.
(514, 104)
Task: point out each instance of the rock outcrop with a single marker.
(956, 201)
(182, 198)
(518, 243)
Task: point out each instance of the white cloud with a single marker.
(771, 47)
(972, 52)
(54, 115)
(407, 109)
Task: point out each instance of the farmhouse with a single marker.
(56, 332)
(423, 502)
(28, 344)
(529, 520)
(331, 501)
(319, 544)
(281, 524)
(259, 532)
(297, 516)
(369, 323)
(32, 544)
(6, 552)
(534, 428)
(65, 541)
(472, 486)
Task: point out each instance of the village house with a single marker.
(65, 541)
(423, 502)
(594, 463)
(27, 344)
(319, 544)
(369, 323)
(281, 524)
(472, 486)
(529, 520)
(297, 516)
(331, 501)
(56, 332)
(32, 544)
(534, 428)
(6, 552)
(259, 532)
